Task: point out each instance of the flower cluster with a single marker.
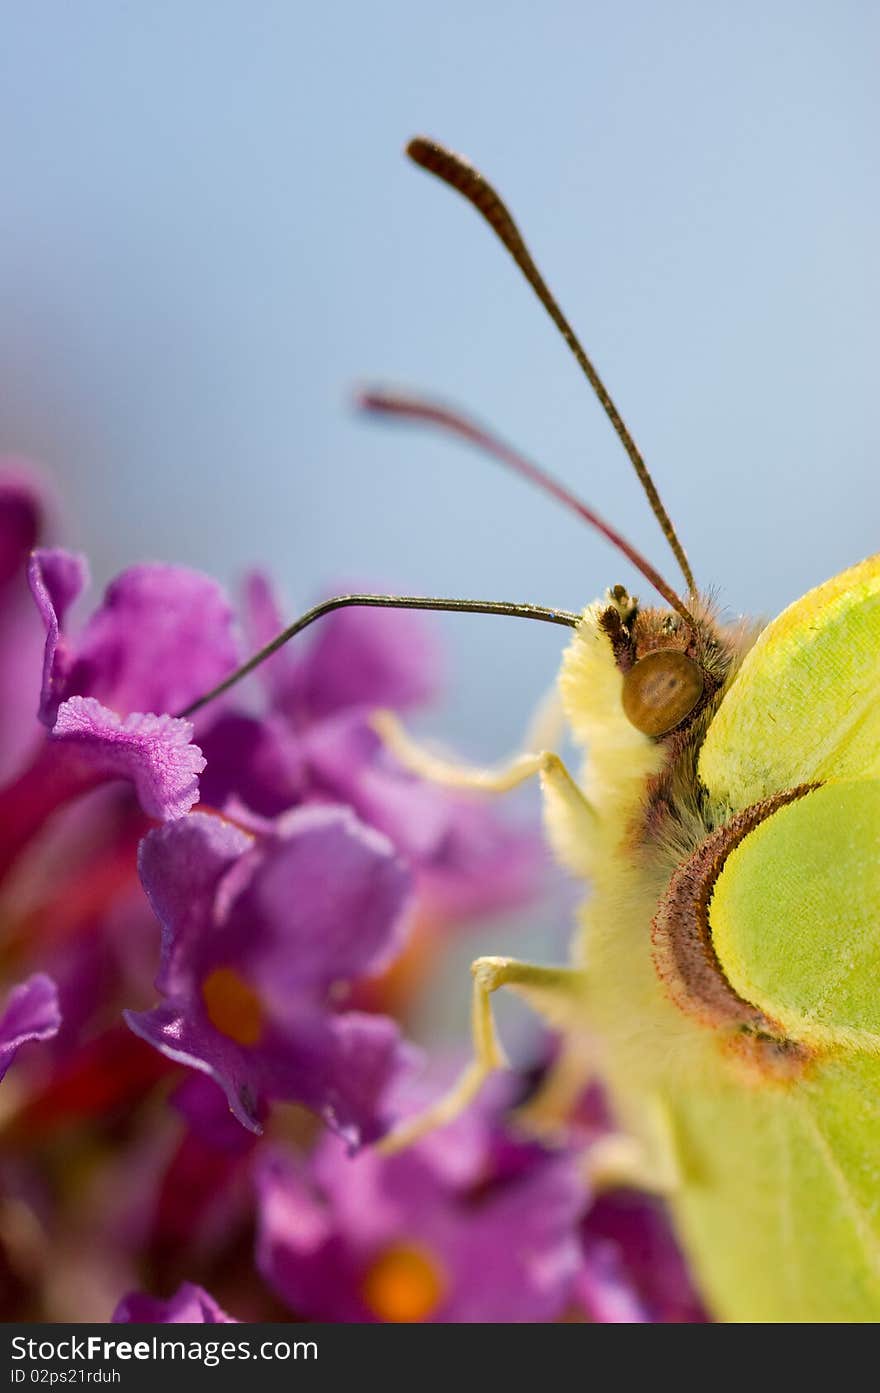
(211, 931)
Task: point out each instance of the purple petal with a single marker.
(343, 1067)
(31, 1013)
(326, 902)
(154, 752)
(187, 1037)
(190, 1305)
(56, 579)
(180, 866)
(162, 637)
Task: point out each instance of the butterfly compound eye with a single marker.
(660, 690)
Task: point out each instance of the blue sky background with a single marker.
(208, 234)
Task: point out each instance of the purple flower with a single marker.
(162, 635)
(190, 1305)
(466, 1227)
(31, 1013)
(260, 938)
(154, 752)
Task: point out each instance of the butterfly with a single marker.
(723, 975)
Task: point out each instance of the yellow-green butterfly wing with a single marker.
(804, 706)
(781, 1208)
(795, 916)
(778, 1210)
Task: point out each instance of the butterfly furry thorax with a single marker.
(650, 812)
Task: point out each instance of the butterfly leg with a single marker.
(553, 992)
(472, 778)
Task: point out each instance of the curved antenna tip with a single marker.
(463, 177)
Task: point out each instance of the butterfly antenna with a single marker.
(460, 175)
(412, 408)
(514, 611)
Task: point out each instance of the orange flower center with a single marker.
(233, 1006)
(403, 1284)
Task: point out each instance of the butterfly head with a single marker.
(671, 668)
